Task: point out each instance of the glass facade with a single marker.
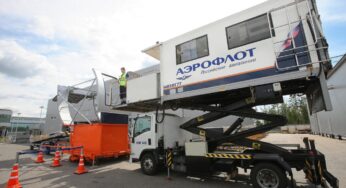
(4, 118)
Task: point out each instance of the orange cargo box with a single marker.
(100, 140)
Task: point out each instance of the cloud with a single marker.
(25, 95)
(332, 11)
(42, 26)
(17, 62)
(336, 18)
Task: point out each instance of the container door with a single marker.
(143, 135)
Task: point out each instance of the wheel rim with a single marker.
(267, 178)
(148, 164)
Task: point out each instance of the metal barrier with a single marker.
(36, 151)
(14, 176)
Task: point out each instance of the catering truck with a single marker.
(228, 67)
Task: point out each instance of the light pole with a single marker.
(17, 124)
(12, 126)
(41, 111)
(40, 119)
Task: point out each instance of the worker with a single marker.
(123, 82)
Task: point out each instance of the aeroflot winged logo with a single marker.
(184, 77)
(184, 73)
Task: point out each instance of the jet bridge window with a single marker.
(142, 125)
(249, 31)
(192, 50)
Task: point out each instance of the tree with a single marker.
(295, 110)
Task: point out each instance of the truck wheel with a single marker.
(268, 175)
(149, 165)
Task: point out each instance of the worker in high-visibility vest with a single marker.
(122, 83)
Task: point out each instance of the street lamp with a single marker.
(41, 111)
(40, 121)
(17, 124)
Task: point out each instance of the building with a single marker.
(5, 120)
(31, 123)
(22, 127)
(333, 123)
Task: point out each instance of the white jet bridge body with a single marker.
(278, 42)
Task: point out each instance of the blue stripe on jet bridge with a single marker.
(229, 80)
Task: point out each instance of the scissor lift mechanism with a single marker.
(308, 159)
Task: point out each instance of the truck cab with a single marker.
(147, 136)
(143, 135)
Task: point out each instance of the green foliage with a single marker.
(258, 123)
(295, 110)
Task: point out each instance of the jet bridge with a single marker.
(93, 100)
(283, 48)
(89, 101)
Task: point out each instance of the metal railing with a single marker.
(309, 17)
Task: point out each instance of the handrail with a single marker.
(301, 65)
(83, 82)
(109, 76)
(309, 17)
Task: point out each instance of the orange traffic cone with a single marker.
(81, 169)
(13, 182)
(39, 157)
(56, 160)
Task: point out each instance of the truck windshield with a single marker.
(142, 125)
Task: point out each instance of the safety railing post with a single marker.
(17, 157)
(169, 162)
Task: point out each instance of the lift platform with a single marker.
(308, 159)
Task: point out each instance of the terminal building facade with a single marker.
(333, 123)
(17, 128)
(5, 120)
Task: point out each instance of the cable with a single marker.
(337, 57)
(342, 55)
(157, 113)
(174, 106)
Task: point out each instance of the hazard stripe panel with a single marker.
(228, 156)
(169, 159)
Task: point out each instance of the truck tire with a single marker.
(268, 175)
(149, 164)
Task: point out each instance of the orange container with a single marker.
(100, 140)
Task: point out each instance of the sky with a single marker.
(45, 43)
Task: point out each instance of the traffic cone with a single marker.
(81, 169)
(39, 157)
(56, 160)
(13, 182)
